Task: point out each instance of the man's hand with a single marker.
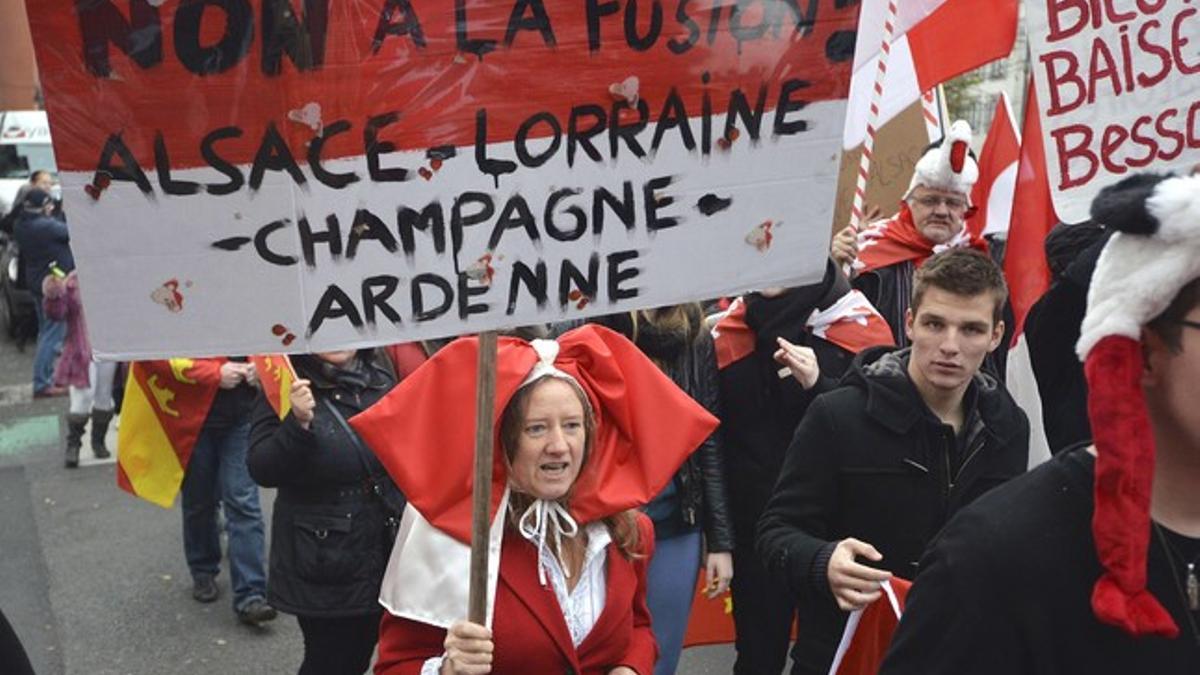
(844, 247)
(622, 670)
(469, 649)
(801, 361)
(718, 572)
(232, 374)
(855, 585)
(303, 403)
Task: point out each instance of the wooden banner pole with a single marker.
(287, 361)
(485, 397)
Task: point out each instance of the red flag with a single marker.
(934, 40)
(711, 621)
(166, 403)
(852, 323)
(1032, 217)
(276, 376)
(733, 338)
(869, 633)
(993, 193)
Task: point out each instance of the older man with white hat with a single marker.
(932, 217)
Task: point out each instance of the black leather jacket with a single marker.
(701, 479)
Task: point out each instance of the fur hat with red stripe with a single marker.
(1154, 253)
(948, 164)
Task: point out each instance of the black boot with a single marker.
(100, 420)
(75, 425)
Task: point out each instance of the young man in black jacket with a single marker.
(1089, 563)
(879, 464)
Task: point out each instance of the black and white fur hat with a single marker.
(1155, 252)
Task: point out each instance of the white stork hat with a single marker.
(948, 164)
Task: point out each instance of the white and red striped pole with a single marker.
(868, 151)
(932, 109)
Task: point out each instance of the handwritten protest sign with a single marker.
(898, 146)
(275, 175)
(1119, 86)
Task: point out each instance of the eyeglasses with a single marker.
(1189, 324)
(933, 201)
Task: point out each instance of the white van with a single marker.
(24, 148)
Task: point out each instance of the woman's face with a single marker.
(337, 358)
(550, 441)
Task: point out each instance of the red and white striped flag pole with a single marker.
(932, 109)
(868, 152)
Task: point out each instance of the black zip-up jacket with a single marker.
(701, 479)
(870, 461)
(330, 536)
(1006, 589)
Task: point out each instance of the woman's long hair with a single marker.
(622, 527)
(686, 319)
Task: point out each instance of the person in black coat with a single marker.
(44, 242)
(879, 464)
(1005, 589)
(760, 411)
(1052, 329)
(336, 511)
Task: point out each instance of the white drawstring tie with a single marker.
(541, 515)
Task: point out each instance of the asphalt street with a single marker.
(94, 580)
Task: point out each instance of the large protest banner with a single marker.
(247, 176)
(1119, 86)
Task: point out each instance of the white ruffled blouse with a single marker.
(582, 605)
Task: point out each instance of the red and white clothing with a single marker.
(889, 253)
(889, 241)
(582, 605)
(531, 631)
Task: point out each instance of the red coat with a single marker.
(530, 633)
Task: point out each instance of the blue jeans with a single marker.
(217, 473)
(49, 344)
(670, 587)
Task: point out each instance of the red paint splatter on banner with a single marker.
(168, 295)
(281, 331)
(761, 236)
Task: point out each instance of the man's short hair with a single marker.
(1168, 325)
(965, 272)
